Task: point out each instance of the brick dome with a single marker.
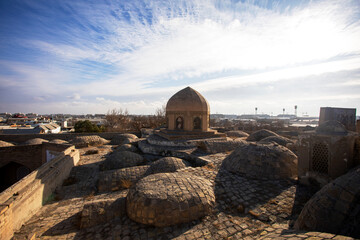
(188, 99)
(166, 199)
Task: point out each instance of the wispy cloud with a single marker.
(137, 53)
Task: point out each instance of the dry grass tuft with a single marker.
(210, 167)
(126, 183)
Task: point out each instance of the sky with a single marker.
(87, 57)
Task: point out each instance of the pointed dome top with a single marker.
(188, 99)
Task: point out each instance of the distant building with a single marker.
(20, 120)
(31, 115)
(19, 115)
(64, 124)
(5, 115)
(35, 129)
(253, 116)
(22, 130)
(289, 116)
(50, 128)
(100, 115)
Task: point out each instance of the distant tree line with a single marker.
(119, 120)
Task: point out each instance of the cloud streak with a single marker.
(144, 51)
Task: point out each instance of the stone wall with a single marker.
(23, 199)
(20, 138)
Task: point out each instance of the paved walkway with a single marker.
(246, 209)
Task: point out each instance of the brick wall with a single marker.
(23, 199)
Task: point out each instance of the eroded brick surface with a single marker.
(244, 209)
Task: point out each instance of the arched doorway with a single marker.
(179, 123)
(11, 173)
(197, 123)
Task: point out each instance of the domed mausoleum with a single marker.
(188, 110)
(187, 113)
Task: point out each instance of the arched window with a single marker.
(197, 123)
(179, 123)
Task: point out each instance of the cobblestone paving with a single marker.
(245, 209)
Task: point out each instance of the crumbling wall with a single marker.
(23, 199)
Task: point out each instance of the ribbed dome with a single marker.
(188, 99)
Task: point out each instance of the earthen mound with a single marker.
(262, 161)
(122, 159)
(127, 147)
(166, 199)
(5, 144)
(261, 134)
(283, 141)
(167, 164)
(123, 139)
(335, 208)
(59, 141)
(85, 141)
(236, 134)
(35, 141)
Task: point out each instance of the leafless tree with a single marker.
(160, 117)
(120, 120)
(117, 120)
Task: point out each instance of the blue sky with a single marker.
(93, 56)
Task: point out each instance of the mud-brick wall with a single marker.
(30, 156)
(22, 200)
